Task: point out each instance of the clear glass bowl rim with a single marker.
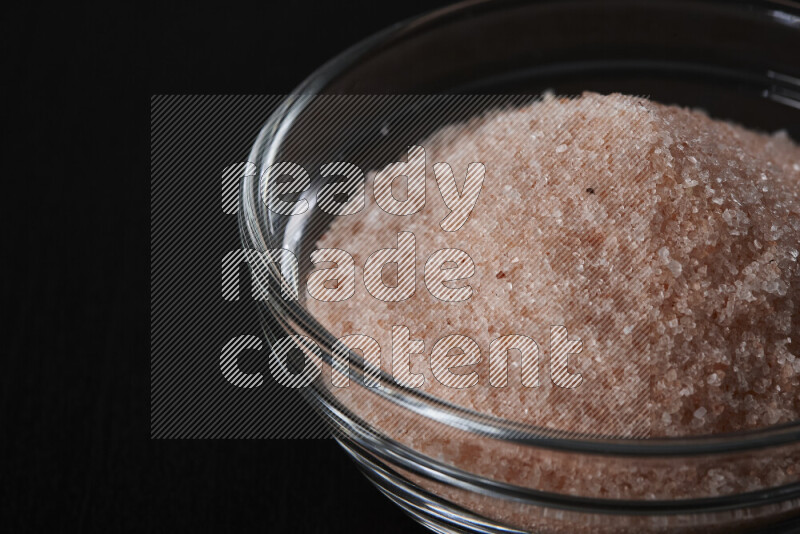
(266, 147)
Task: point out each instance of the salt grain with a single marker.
(708, 275)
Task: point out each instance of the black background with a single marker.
(76, 450)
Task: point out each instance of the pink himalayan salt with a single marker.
(665, 240)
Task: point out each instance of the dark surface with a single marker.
(76, 447)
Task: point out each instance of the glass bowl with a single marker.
(738, 61)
